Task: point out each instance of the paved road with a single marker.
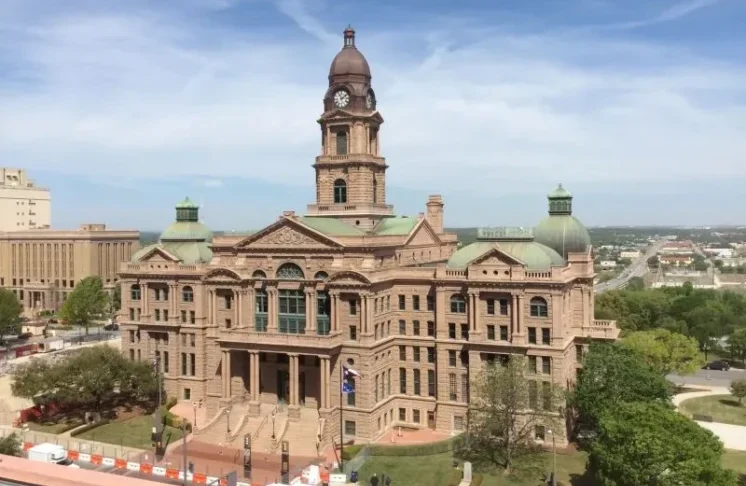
(708, 378)
(638, 268)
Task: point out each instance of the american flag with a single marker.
(348, 383)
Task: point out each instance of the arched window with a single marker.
(340, 191)
(290, 271)
(258, 274)
(187, 294)
(341, 142)
(458, 304)
(135, 292)
(261, 304)
(321, 276)
(539, 307)
(375, 191)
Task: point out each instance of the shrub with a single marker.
(170, 403)
(476, 479)
(88, 427)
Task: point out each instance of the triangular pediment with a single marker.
(496, 257)
(159, 254)
(290, 234)
(422, 234)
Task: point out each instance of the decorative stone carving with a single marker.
(287, 237)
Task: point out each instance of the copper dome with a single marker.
(349, 61)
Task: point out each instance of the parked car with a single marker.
(111, 327)
(717, 365)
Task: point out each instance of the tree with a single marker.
(636, 283)
(738, 389)
(87, 303)
(653, 261)
(89, 379)
(665, 351)
(505, 408)
(650, 444)
(614, 374)
(11, 445)
(116, 300)
(737, 344)
(10, 313)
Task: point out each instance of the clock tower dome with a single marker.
(350, 172)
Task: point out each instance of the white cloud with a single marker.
(146, 95)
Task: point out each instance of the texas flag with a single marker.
(348, 383)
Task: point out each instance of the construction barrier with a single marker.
(146, 469)
(199, 478)
(97, 459)
(120, 464)
(172, 474)
(73, 455)
(27, 446)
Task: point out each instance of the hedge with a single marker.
(88, 427)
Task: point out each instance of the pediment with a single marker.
(344, 115)
(348, 277)
(288, 234)
(422, 234)
(158, 254)
(222, 274)
(496, 257)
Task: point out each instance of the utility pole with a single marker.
(184, 446)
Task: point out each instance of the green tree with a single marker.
(116, 300)
(636, 283)
(653, 261)
(665, 351)
(737, 344)
(614, 374)
(10, 313)
(738, 389)
(87, 303)
(505, 407)
(92, 378)
(11, 445)
(650, 444)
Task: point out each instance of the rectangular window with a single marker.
(416, 302)
(464, 388)
(532, 364)
(546, 365)
(350, 427)
(132, 355)
(228, 301)
(579, 352)
(416, 354)
(402, 415)
(351, 396)
(184, 364)
(353, 333)
(539, 432)
(458, 305)
(165, 315)
(416, 416)
(451, 330)
(228, 323)
(403, 381)
(183, 316)
(546, 394)
(132, 314)
(451, 357)
(452, 387)
(430, 303)
(192, 317)
(532, 335)
(416, 328)
(388, 383)
(157, 314)
(402, 353)
(431, 355)
(491, 307)
(132, 336)
(187, 393)
(503, 333)
(376, 390)
(465, 332)
(546, 336)
(402, 327)
(491, 332)
(431, 383)
(402, 302)
(193, 364)
(139, 355)
(165, 362)
(192, 340)
(430, 329)
(503, 307)
(353, 307)
(417, 382)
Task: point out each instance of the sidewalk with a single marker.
(732, 436)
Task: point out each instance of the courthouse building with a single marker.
(259, 324)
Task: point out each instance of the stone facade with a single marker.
(273, 317)
(42, 266)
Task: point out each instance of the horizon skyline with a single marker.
(489, 105)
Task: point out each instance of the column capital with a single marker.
(474, 292)
(293, 355)
(253, 352)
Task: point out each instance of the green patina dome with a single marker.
(562, 231)
(516, 242)
(186, 239)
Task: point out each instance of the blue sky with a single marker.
(124, 108)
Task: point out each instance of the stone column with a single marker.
(254, 404)
(335, 312)
(250, 317)
(520, 335)
(324, 382)
(368, 314)
(294, 408)
(585, 302)
(144, 298)
(513, 315)
(310, 310)
(224, 373)
(214, 307)
(557, 318)
(173, 296)
(236, 305)
(474, 311)
(272, 308)
(199, 303)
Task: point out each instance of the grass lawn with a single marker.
(55, 427)
(435, 470)
(722, 408)
(134, 432)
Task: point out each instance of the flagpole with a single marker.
(341, 422)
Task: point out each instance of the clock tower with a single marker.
(350, 172)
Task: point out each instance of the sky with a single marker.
(124, 108)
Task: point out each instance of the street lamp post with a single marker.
(554, 458)
(194, 405)
(273, 424)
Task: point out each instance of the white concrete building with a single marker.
(23, 205)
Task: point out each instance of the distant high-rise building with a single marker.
(23, 205)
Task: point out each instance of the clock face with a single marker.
(341, 99)
(370, 101)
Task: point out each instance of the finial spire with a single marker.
(349, 36)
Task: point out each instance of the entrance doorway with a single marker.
(431, 420)
(283, 385)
